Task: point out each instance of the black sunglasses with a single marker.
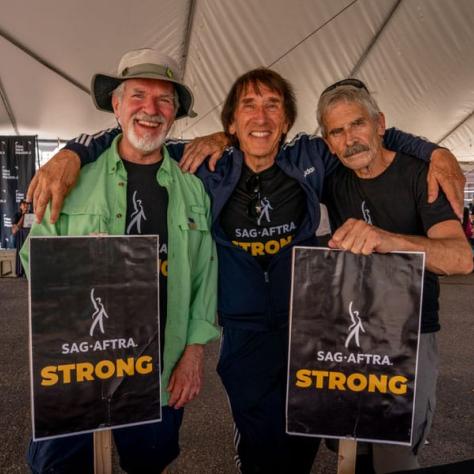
(254, 186)
(346, 82)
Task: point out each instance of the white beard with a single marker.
(145, 144)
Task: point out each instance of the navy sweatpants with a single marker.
(143, 448)
(253, 369)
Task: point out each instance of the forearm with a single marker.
(444, 256)
(446, 248)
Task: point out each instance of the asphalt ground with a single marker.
(206, 435)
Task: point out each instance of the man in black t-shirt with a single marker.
(377, 202)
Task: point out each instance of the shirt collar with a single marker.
(114, 162)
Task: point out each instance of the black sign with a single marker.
(94, 333)
(353, 344)
(17, 167)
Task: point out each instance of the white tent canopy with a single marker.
(417, 56)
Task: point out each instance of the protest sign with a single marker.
(94, 333)
(354, 328)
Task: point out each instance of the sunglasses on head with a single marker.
(346, 82)
(253, 185)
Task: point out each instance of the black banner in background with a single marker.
(353, 344)
(94, 333)
(17, 167)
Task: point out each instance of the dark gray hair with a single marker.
(118, 92)
(345, 94)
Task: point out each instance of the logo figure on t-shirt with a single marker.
(137, 215)
(366, 213)
(354, 328)
(265, 208)
(98, 315)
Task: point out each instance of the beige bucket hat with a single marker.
(143, 63)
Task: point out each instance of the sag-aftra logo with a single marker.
(88, 371)
(355, 381)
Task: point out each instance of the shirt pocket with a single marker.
(194, 219)
(81, 223)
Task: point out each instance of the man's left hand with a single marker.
(197, 151)
(445, 172)
(186, 379)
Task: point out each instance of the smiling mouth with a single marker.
(257, 134)
(146, 123)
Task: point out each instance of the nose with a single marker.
(260, 114)
(350, 136)
(151, 106)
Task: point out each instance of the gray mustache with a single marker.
(357, 148)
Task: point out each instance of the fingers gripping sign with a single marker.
(52, 182)
(200, 148)
(358, 237)
(186, 379)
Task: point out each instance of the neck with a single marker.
(259, 164)
(132, 154)
(381, 162)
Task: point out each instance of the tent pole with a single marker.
(6, 104)
(187, 35)
(462, 122)
(364, 55)
(43, 61)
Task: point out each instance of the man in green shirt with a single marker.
(135, 188)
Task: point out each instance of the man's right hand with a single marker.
(52, 182)
(200, 148)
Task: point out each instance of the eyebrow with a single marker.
(357, 121)
(248, 100)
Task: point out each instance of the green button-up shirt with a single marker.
(98, 205)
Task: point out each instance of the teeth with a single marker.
(148, 124)
(259, 134)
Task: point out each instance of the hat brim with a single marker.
(103, 85)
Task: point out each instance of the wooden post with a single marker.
(346, 456)
(103, 452)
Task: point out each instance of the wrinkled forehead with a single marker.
(345, 105)
(164, 87)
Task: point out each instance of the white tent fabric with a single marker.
(417, 56)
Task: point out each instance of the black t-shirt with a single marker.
(264, 212)
(396, 201)
(16, 217)
(147, 206)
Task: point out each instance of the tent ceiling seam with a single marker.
(279, 58)
(340, 12)
(462, 122)
(187, 35)
(376, 37)
(8, 108)
(370, 46)
(43, 61)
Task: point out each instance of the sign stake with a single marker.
(346, 456)
(103, 452)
